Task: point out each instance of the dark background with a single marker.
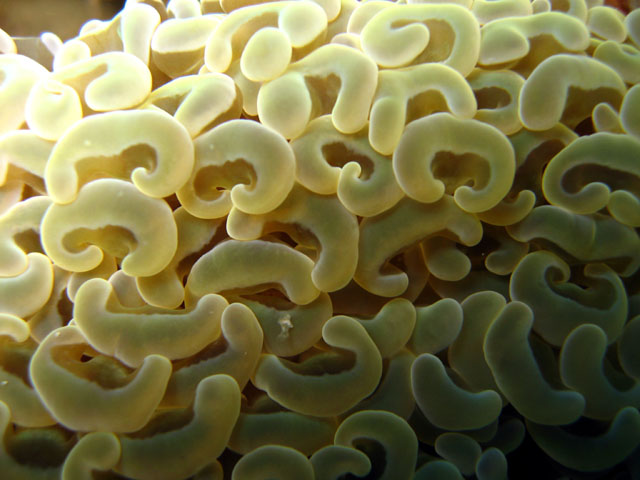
(29, 18)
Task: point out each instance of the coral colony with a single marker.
(323, 240)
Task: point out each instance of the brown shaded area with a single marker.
(580, 103)
(165, 422)
(113, 239)
(425, 103)
(576, 178)
(492, 98)
(15, 357)
(338, 154)
(29, 241)
(211, 180)
(40, 447)
(82, 361)
(29, 18)
(529, 174)
(119, 166)
(315, 362)
(457, 170)
(324, 92)
(625, 6)
(442, 39)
